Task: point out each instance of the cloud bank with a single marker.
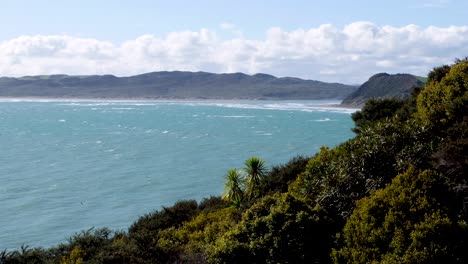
(350, 54)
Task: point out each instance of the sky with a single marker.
(333, 41)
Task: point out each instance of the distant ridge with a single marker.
(383, 85)
(172, 85)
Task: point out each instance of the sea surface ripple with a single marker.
(68, 165)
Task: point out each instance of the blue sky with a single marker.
(123, 20)
(248, 27)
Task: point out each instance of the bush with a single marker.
(279, 178)
(212, 203)
(443, 103)
(336, 178)
(189, 242)
(26, 255)
(375, 110)
(169, 216)
(277, 229)
(145, 231)
(410, 221)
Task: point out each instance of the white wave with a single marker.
(104, 103)
(263, 133)
(19, 100)
(62, 120)
(84, 104)
(323, 120)
(304, 106)
(165, 132)
(236, 116)
(122, 108)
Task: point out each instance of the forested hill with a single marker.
(383, 85)
(172, 85)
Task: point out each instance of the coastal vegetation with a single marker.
(395, 193)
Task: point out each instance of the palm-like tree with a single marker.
(255, 169)
(234, 187)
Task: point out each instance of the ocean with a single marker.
(67, 166)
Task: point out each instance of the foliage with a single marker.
(98, 246)
(87, 242)
(255, 170)
(407, 222)
(336, 178)
(375, 110)
(437, 74)
(244, 187)
(75, 257)
(277, 229)
(213, 203)
(406, 111)
(152, 223)
(26, 255)
(451, 160)
(189, 242)
(145, 231)
(234, 188)
(442, 103)
(279, 177)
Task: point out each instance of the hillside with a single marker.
(395, 193)
(172, 85)
(383, 85)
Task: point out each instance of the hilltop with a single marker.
(172, 85)
(383, 85)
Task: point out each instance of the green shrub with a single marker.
(375, 110)
(279, 177)
(442, 103)
(336, 178)
(189, 242)
(277, 229)
(410, 221)
(145, 231)
(26, 255)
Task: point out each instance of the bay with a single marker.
(67, 166)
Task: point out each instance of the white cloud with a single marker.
(233, 29)
(436, 3)
(227, 26)
(385, 63)
(425, 4)
(350, 54)
(327, 72)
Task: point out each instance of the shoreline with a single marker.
(154, 99)
(330, 106)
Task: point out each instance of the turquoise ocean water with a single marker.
(67, 166)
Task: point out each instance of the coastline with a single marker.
(254, 103)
